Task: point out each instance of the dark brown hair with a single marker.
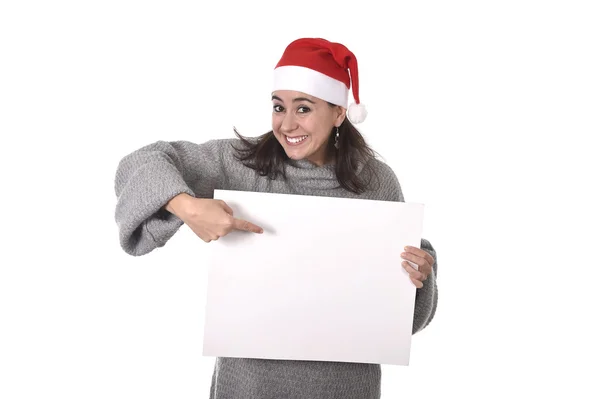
(266, 155)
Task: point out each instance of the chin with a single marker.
(295, 155)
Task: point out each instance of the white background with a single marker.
(487, 111)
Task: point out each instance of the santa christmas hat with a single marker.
(323, 69)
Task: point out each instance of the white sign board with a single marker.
(323, 282)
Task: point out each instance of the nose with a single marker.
(288, 124)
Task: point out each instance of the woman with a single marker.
(313, 149)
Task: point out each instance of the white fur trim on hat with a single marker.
(311, 82)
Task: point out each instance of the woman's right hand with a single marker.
(209, 219)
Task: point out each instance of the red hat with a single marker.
(320, 68)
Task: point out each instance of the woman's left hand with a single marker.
(420, 258)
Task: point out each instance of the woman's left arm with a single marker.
(425, 280)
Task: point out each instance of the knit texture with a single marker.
(149, 177)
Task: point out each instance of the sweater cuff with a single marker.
(143, 222)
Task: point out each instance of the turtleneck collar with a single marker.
(312, 176)
(306, 164)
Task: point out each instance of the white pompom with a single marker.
(357, 113)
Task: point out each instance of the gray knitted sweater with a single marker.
(149, 177)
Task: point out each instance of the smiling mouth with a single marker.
(295, 140)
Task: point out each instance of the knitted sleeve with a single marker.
(427, 296)
(147, 178)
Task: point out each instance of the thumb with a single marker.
(226, 208)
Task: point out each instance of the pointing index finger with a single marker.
(241, 224)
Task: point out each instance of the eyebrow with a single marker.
(295, 99)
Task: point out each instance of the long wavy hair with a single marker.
(266, 155)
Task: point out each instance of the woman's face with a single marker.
(302, 124)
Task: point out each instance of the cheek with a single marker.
(276, 122)
(316, 125)
(318, 133)
(310, 126)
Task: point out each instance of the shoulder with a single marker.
(384, 181)
(221, 144)
(231, 148)
(221, 148)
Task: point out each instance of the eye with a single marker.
(277, 108)
(303, 110)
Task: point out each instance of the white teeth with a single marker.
(295, 140)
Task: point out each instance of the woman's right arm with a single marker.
(149, 177)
